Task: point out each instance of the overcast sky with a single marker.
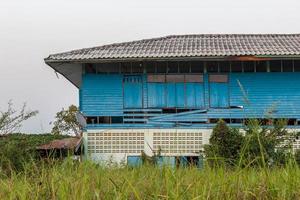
(32, 29)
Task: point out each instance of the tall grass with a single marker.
(71, 180)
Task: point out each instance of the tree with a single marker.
(225, 144)
(11, 120)
(65, 122)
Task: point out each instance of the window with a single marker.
(90, 69)
(105, 120)
(172, 67)
(249, 66)
(126, 68)
(137, 67)
(150, 67)
(212, 67)
(297, 65)
(236, 66)
(224, 66)
(287, 66)
(184, 67)
(275, 66)
(261, 66)
(161, 67)
(197, 67)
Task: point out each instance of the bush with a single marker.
(17, 149)
(225, 145)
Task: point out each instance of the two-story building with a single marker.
(167, 93)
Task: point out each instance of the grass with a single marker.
(69, 180)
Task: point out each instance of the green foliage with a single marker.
(258, 145)
(11, 120)
(65, 122)
(17, 149)
(266, 145)
(225, 145)
(72, 180)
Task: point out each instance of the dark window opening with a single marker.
(197, 67)
(105, 120)
(172, 67)
(91, 120)
(224, 66)
(275, 66)
(150, 67)
(213, 121)
(126, 68)
(188, 161)
(161, 67)
(212, 67)
(137, 67)
(90, 69)
(287, 66)
(236, 66)
(175, 110)
(249, 66)
(297, 65)
(134, 122)
(184, 67)
(236, 121)
(261, 66)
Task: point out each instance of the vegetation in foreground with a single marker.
(72, 180)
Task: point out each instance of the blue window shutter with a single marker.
(194, 95)
(156, 95)
(133, 92)
(180, 95)
(219, 95)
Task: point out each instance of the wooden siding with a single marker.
(102, 95)
(246, 95)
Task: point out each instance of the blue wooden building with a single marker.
(167, 93)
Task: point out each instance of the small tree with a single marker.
(65, 122)
(11, 120)
(225, 144)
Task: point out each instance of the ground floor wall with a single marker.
(127, 145)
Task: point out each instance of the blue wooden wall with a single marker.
(260, 94)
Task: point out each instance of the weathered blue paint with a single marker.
(194, 95)
(166, 161)
(156, 95)
(134, 161)
(133, 91)
(102, 95)
(175, 93)
(219, 95)
(261, 95)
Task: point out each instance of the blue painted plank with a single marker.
(180, 95)
(133, 92)
(156, 95)
(194, 95)
(219, 95)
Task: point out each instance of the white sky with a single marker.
(32, 29)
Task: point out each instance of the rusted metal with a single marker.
(246, 58)
(72, 143)
(218, 78)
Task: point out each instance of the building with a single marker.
(167, 93)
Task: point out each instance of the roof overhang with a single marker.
(71, 71)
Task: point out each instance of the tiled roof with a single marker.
(202, 45)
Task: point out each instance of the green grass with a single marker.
(69, 180)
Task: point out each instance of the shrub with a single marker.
(17, 149)
(225, 145)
